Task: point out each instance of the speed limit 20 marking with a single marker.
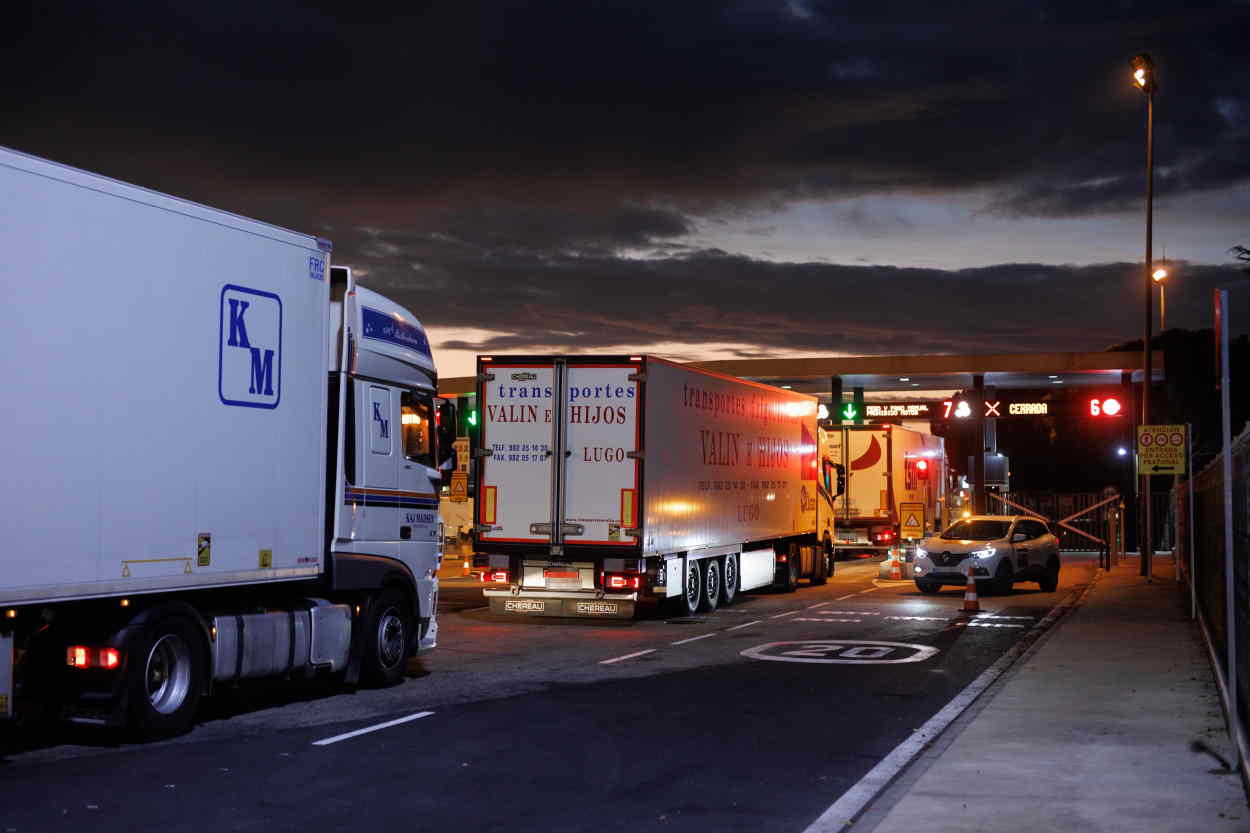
(842, 652)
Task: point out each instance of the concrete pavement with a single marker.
(1089, 731)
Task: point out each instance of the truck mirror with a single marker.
(841, 479)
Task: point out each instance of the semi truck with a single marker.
(890, 470)
(220, 455)
(610, 483)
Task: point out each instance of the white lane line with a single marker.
(974, 623)
(824, 621)
(844, 598)
(388, 724)
(852, 802)
(627, 656)
(869, 590)
(996, 616)
(821, 604)
(692, 639)
(743, 625)
(921, 618)
(852, 612)
(779, 615)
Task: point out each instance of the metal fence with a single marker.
(1208, 559)
(1059, 505)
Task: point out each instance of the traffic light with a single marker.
(922, 469)
(1108, 406)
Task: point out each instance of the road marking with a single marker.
(852, 612)
(921, 618)
(996, 616)
(821, 604)
(841, 652)
(844, 598)
(692, 639)
(388, 724)
(869, 590)
(852, 802)
(627, 656)
(814, 619)
(743, 625)
(974, 623)
(779, 615)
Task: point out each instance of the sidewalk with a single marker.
(1090, 732)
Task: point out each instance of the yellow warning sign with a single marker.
(1161, 449)
(203, 550)
(459, 486)
(911, 520)
(266, 559)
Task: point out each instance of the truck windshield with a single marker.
(977, 530)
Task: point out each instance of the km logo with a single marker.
(249, 348)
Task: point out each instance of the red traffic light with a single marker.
(1105, 407)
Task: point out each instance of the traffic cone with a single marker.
(971, 605)
(896, 568)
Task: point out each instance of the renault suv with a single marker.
(1000, 549)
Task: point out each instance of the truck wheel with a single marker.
(790, 573)
(729, 580)
(822, 564)
(165, 670)
(711, 585)
(387, 628)
(687, 604)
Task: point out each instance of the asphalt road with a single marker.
(736, 720)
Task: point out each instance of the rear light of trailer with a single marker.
(622, 581)
(85, 656)
(494, 576)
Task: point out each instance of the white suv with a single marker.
(1003, 549)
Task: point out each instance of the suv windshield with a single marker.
(977, 530)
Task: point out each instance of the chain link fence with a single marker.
(1208, 559)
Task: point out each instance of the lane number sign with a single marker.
(842, 652)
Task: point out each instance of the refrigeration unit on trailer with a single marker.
(608, 481)
(220, 454)
(890, 470)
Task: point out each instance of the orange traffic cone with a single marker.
(971, 605)
(896, 568)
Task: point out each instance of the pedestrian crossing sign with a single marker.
(911, 520)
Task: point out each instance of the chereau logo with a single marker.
(249, 352)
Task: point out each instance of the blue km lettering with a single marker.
(382, 423)
(262, 372)
(238, 327)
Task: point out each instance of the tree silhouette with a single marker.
(1243, 254)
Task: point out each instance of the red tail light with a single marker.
(622, 581)
(494, 576)
(84, 656)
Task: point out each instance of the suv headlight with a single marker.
(988, 552)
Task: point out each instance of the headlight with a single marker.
(988, 552)
(921, 552)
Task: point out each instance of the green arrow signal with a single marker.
(472, 420)
(848, 412)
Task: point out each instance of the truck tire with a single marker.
(687, 604)
(166, 665)
(729, 580)
(387, 632)
(711, 576)
(789, 581)
(822, 566)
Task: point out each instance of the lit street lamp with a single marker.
(1143, 77)
(1159, 276)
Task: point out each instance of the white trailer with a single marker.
(885, 466)
(606, 481)
(220, 452)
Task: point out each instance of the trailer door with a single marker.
(601, 471)
(516, 486)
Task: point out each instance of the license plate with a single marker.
(525, 605)
(561, 574)
(598, 608)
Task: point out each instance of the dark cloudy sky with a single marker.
(702, 179)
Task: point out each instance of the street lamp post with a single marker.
(1160, 277)
(1143, 76)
